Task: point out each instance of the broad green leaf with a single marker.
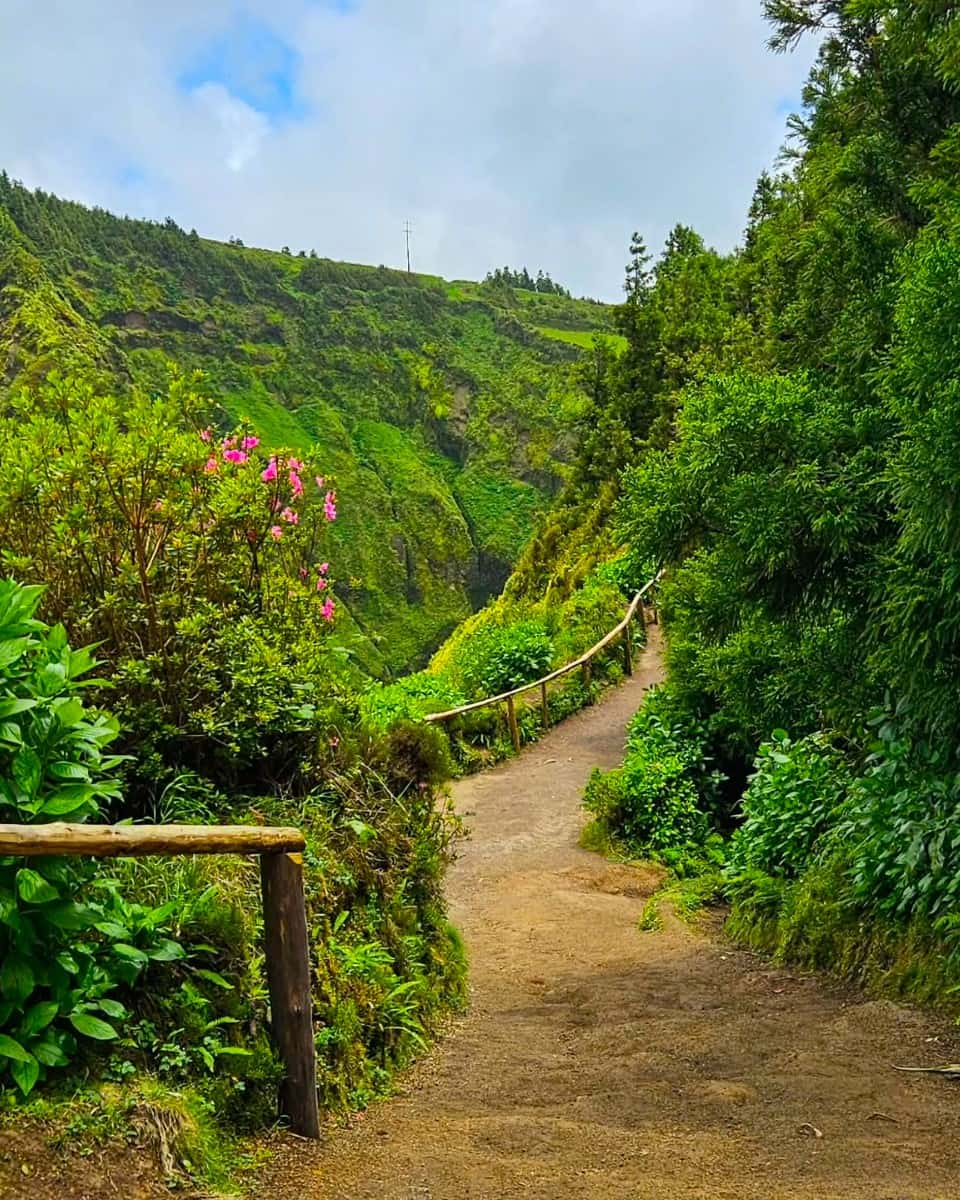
(113, 1008)
(26, 770)
(168, 951)
(39, 1017)
(50, 1054)
(68, 915)
(34, 889)
(112, 929)
(157, 916)
(12, 1049)
(131, 953)
(25, 1074)
(92, 1027)
(12, 649)
(69, 770)
(12, 708)
(68, 799)
(16, 978)
(81, 661)
(69, 711)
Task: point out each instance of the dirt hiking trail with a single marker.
(598, 1061)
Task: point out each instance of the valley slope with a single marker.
(441, 411)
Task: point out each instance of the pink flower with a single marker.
(334, 742)
(327, 611)
(276, 532)
(323, 568)
(321, 583)
(320, 481)
(235, 456)
(290, 516)
(304, 573)
(211, 465)
(205, 435)
(229, 443)
(296, 483)
(250, 443)
(295, 464)
(330, 506)
(270, 474)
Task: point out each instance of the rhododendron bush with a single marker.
(194, 556)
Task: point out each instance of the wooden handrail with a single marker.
(582, 661)
(287, 949)
(134, 841)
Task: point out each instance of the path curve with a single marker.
(599, 1062)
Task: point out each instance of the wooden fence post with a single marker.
(514, 727)
(544, 707)
(288, 978)
(586, 674)
(627, 651)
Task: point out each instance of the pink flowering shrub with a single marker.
(154, 535)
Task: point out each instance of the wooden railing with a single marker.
(582, 664)
(284, 922)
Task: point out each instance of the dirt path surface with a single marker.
(597, 1061)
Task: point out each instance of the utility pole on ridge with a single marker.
(407, 231)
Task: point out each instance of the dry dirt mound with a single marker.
(600, 1062)
(30, 1170)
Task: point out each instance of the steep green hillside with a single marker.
(440, 410)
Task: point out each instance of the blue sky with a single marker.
(253, 63)
(528, 132)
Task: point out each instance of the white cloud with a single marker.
(537, 132)
(243, 129)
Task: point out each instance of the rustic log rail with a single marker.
(582, 663)
(284, 922)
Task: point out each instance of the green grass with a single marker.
(583, 338)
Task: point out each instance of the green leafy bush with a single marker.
(586, 617)
(500, 657)
(792, 801)
(68, 940)
(408, 699)
(192, 559)
(901, 830)
(653, 804)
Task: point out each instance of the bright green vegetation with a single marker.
(226, 692)
(585, 340)
(440, 415)
(256, 483)
(503, 646)
(778, 429)
(781, 434)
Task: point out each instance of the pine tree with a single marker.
(638, 275)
